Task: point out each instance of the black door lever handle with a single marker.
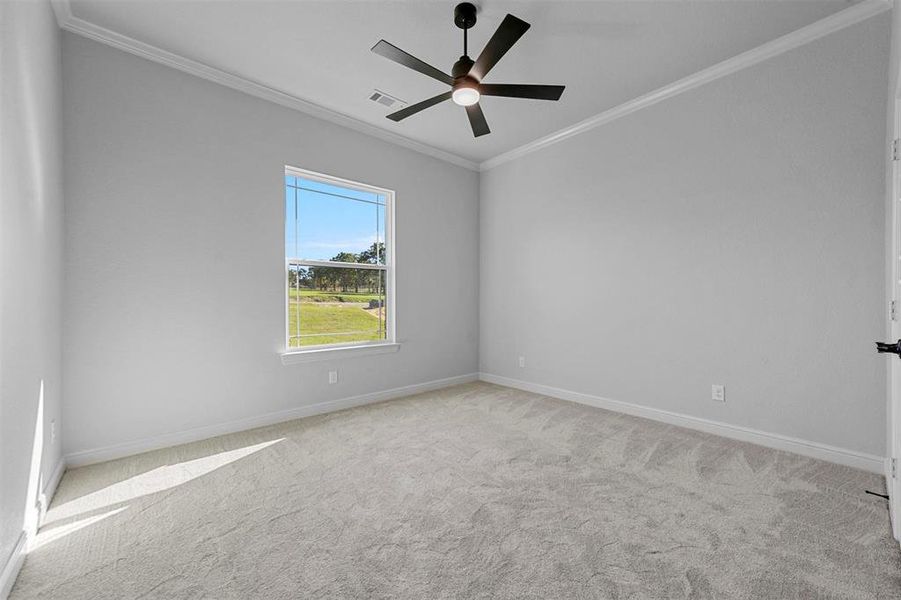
(890, 348)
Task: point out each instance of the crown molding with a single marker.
(69, 22)
(835, 22)
(850, 16)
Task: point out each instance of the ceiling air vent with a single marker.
(386, 99)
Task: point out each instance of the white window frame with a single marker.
(341, 350)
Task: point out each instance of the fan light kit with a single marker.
(466, 75)
(465, 95)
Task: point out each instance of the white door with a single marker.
(894, 407)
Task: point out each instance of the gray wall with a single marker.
(30, 259)
(174, 312)
(732, 235)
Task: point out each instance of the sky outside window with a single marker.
(324, 220)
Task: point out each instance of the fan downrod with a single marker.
(465, 15)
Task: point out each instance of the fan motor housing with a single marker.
(465, 15)
(461, 67)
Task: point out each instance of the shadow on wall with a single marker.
(32, 164)
(31, 230)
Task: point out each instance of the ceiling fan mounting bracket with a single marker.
(465, 15)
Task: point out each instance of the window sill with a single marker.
(313, 355)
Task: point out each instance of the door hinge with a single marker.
(894, 468)
(893, 310)
(896, 149)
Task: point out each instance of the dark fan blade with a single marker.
(415, 108)
(516, 90)
(510, 30)
(408, 60)
(477, 120)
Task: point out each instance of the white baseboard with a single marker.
(96, 455)
(12, 566)
(49, 490)
(14, 563)
(850, 458)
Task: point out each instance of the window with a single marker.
(339, 262)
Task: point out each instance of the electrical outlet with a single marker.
(522, 362)
(718, 393)
(333, 376)
(53, 432)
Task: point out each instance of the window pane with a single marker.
(333, 223)
(335, 305)
(380, 246)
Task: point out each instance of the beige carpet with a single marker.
(476, 491)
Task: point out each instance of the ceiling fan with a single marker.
(466, 76)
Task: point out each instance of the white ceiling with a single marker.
(605, 52)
